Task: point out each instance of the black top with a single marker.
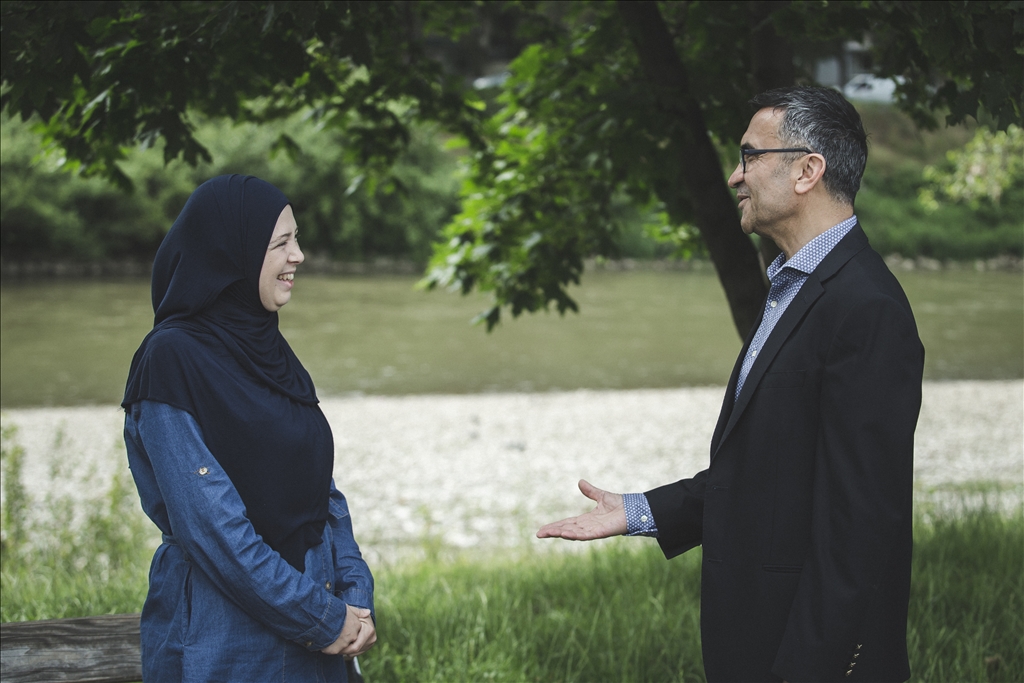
(218, 354)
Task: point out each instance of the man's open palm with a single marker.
(607, 519)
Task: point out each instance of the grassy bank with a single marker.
(76, 559)
(616, 612)
(622, 613)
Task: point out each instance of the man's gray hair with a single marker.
(825, 122)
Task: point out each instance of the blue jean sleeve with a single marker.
(352, 578)
(207, 518)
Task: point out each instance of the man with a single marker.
(804, 512)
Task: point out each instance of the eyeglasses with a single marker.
(744, 153)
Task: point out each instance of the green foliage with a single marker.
(898, 176)
(952, 232)
(342, 211)
(106, 76)
(46, 213)
(580, 126)
(991, 164)
(578, 129)
(974, 50)
(963, 59)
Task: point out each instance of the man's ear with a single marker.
(811, 169)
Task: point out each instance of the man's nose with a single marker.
(737, 177)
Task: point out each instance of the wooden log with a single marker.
(86, 650)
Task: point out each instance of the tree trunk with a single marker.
(771, 66)
(732, 252)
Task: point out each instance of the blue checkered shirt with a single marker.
(787, 277)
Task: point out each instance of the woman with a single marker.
(258, 577)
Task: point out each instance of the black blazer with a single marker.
(804, 513)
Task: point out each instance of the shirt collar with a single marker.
(814, 252)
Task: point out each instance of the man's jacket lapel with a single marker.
(809, 293)
(730, 390)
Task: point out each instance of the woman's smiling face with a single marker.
(282, 259)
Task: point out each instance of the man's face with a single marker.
(765, 191)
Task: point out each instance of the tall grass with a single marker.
(967, 598)
(72, 560)
(622, 613)
(616, 612)
(613, 614)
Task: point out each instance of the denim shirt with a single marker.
(223, 605)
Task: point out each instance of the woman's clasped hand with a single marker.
(358, 635)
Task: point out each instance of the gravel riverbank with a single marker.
(485, 470)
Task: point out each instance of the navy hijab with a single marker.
(216, 353)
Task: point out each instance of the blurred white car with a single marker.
(495, 81)
(869, 88)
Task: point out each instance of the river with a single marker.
(65, 343)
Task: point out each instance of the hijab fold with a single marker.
(218, 354)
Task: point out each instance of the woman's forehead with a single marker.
(285, 223)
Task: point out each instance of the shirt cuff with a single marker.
(358, 597)
(329, 627)
(639, 520)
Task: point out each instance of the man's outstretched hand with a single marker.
(607, 519)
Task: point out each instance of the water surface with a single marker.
(70, 343)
